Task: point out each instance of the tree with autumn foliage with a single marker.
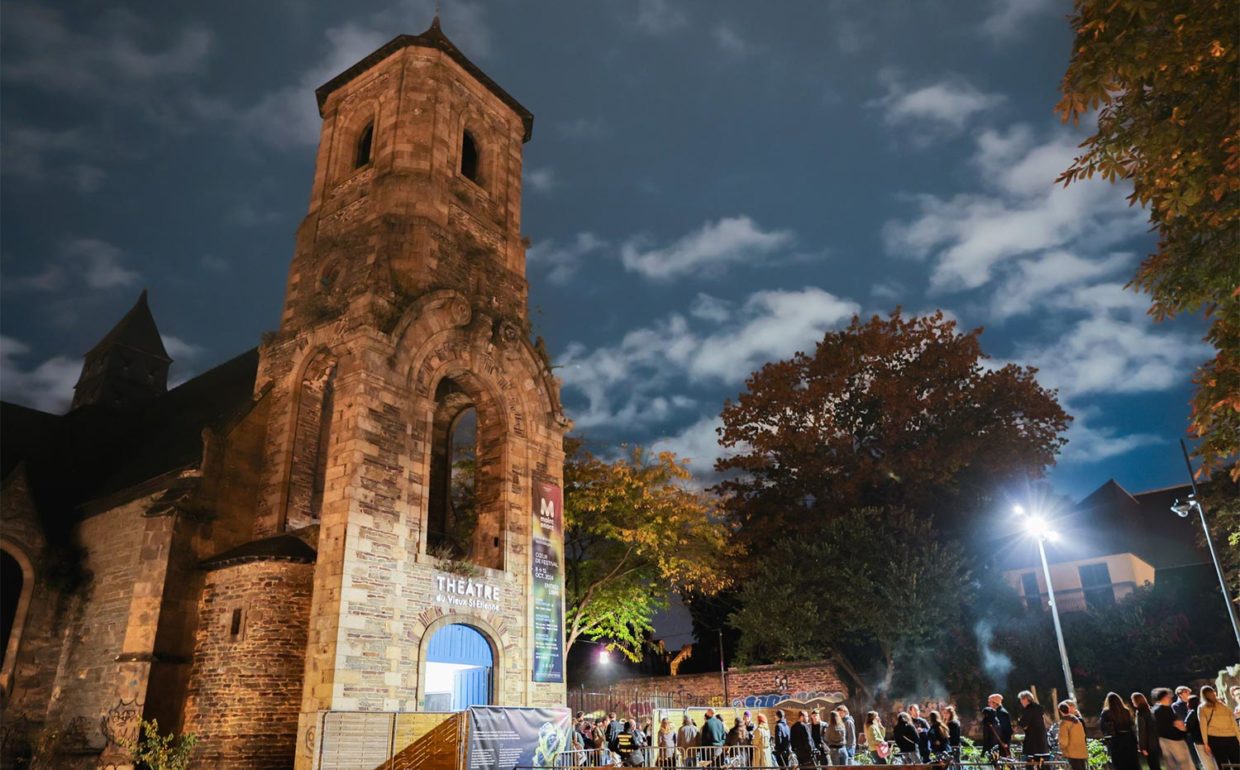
(888, 413)
(1163, 77)
(893, 585)
(635, 531)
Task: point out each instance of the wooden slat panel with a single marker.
(355, 741)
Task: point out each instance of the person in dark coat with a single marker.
(816, 737)
(938, 736)
(613, 727)
(802, 741)
(953, 731)
(1004, 720)
(1119, 733)
(625, 743)
(991, 741)
(923, 732)
(1146, 731)
(1172, 737)
(905, 735)
(738, 735)
(781, 740)
(1033, 722)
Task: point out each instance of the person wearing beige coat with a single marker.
(1072, 742)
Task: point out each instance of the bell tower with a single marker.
(415, 433)
(417, 186)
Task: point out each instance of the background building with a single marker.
(1110, 544)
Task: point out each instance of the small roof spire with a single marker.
(127, 366)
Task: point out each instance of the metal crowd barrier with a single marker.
(655, 756)
(737, 758)
(744, 758)
(717, 756)
(582, 758)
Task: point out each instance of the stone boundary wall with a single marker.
(757, 682)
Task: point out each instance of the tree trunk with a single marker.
(849, 669)
(890, 673)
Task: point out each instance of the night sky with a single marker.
(710, 186)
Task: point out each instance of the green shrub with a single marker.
(153, 751)
(1099, 757)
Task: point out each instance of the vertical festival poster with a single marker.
(547, 556)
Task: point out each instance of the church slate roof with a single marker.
(95, 452)
(1112, 520)
(433, 37)
(136, 330)
(283, 547)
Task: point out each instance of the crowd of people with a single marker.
(1176, 730)
(814, 739)
(1168, 730)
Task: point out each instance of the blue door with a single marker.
(458, 669)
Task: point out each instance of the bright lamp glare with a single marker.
(1036, 525)
(604, 657)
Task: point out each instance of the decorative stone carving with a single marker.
(506, 332)
(460, 312)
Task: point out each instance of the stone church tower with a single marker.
(412, 424)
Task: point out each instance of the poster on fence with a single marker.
(548, 583)
(504, 738)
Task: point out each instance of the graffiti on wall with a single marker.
(796, 701)
(121, 723)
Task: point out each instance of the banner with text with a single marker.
(504, 738)
(547, 556)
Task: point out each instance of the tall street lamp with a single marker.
(1183, 510)
(1037, 527)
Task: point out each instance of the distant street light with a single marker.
(1039, 529)
(1183, 510)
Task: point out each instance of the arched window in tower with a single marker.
(311, 438)
(469, 156)
(463, 469)
(364, 142)
(453, 510)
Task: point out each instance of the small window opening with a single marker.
(364, 142)
(469, 157)
(234, 628)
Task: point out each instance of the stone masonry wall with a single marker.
(88, 679)
(245, 688)
(707, 689)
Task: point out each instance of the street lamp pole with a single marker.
(1195, 502)
(1036, 526)
(1050, 598)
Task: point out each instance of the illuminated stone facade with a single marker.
(299, 555)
